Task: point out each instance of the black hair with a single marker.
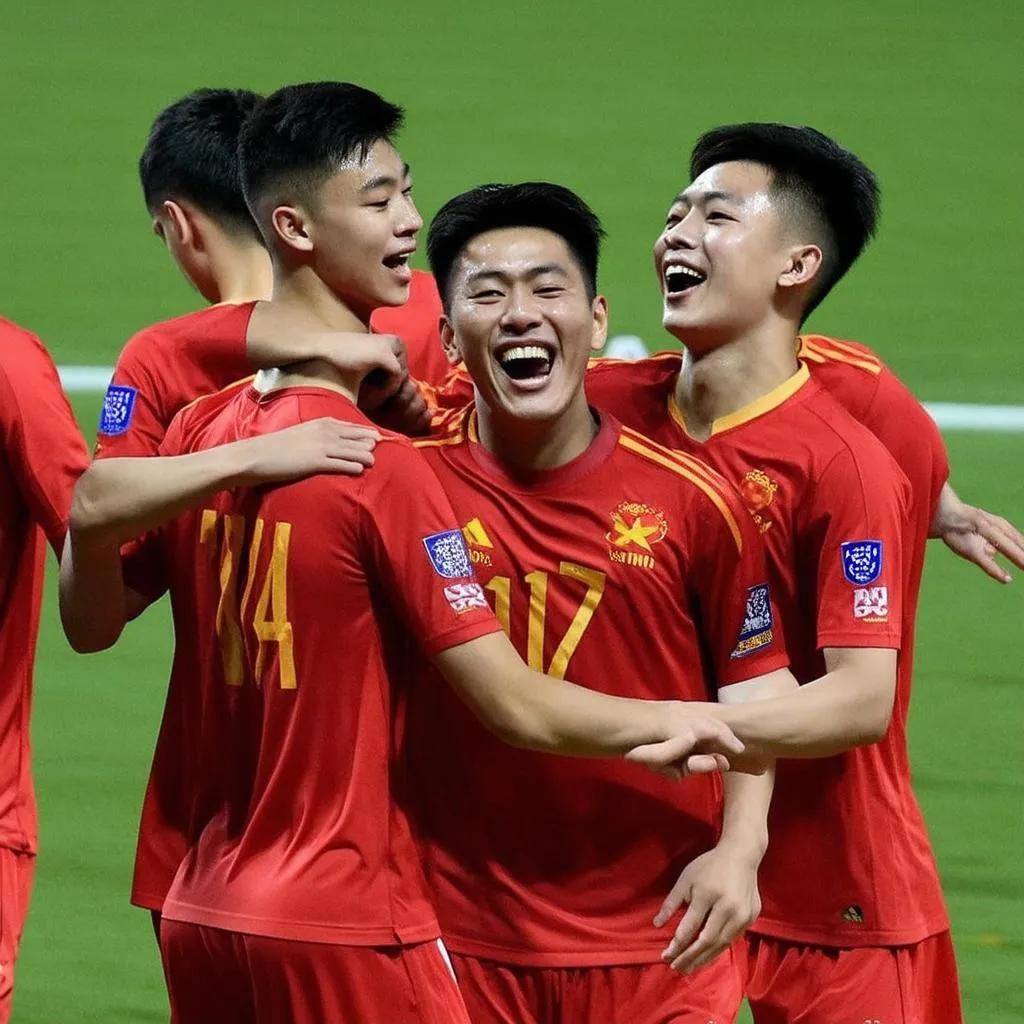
(299, 136)
(192, 153)
(533, 204)
(826, 184)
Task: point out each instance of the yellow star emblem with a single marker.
(635, 534)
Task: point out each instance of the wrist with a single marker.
(747, 846)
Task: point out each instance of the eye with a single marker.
(671, 221)
(407, 191)
(719, 215)
(489, 293)
(550, 289)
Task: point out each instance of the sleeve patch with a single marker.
(465, 596)
(118, 406)
(871, 604)
(757, 631)
(448, 555)
(862, 561)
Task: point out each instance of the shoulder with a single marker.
(850, 357)
(161, 341)
(685, 483)
(193, 421)
(661, 367)
(22, 353)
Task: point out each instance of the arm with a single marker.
(977, 535)
(528, 709)
(720, 887)
(847, 707)
(118, 499)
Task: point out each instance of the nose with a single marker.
(409, 221)
(520, 315)
(683, 234)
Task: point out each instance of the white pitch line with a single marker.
(949, 415)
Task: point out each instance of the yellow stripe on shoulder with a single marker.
(437, 442)
(819, 349)
(701, 476)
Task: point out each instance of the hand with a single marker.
(405, 411)
(720, 888)
(388, 364)
(697, 744)
(976, 535)
(318, 446)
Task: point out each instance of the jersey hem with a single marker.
(335, 935)
(537, 958)
(852, 939)
(891, 641)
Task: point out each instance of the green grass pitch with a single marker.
(605, 97)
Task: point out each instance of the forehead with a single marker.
(383, 163)
(740, 179)
(516, 251)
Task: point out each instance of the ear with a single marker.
(177, 220)
(292, 227)
(448, 342)
(600, 311)
(802, 267)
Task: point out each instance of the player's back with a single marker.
(628, 570)
(303, 703)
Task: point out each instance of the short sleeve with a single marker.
(416, 546)
(912, 437)
(854, 519)
(132, 421)
(738, 614)
(41, 440)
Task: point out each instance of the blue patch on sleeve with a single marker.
(757, 629)
(118, 406)
(448, 554)
(862, 561)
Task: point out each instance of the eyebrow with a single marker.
(531, 274)
(704, 198)
(384, 180)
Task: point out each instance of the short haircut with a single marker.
(533, 204)
(826, 186)
(301, 135)
(192, 154)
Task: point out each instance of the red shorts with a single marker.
(792, 984)
(221, 977)
(16, 871)
(636, 994)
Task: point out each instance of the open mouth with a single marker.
(398, 261)
(679, 279)
(526, 362)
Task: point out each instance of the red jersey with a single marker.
(161, 370)
(632, 569)
(417, 324)
(303, 599)
(42, 455)
(849, 862)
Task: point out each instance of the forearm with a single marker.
(119, 499)
(527, 709)
(94, 604)
(830, 715)
(745, 813)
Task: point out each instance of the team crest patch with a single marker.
(448, 554)
(757, 631)
(862, 561)
(118, 406)
(636, 528)
(758, 491)
(464, 596)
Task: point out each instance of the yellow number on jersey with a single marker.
(273, 595)
(501, 586)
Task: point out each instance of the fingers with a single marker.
(677, 896)
(688, 930)
(720, 929)
(705, 764)
(1003, 536)
(713, 736)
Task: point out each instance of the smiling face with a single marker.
(723, 255)
(359, 230)
(521, 318)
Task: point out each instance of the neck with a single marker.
(527, 446)
(307, 302)
(734, 374)
(242, 273)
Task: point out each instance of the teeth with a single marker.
(688, 271)
(523, 352)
